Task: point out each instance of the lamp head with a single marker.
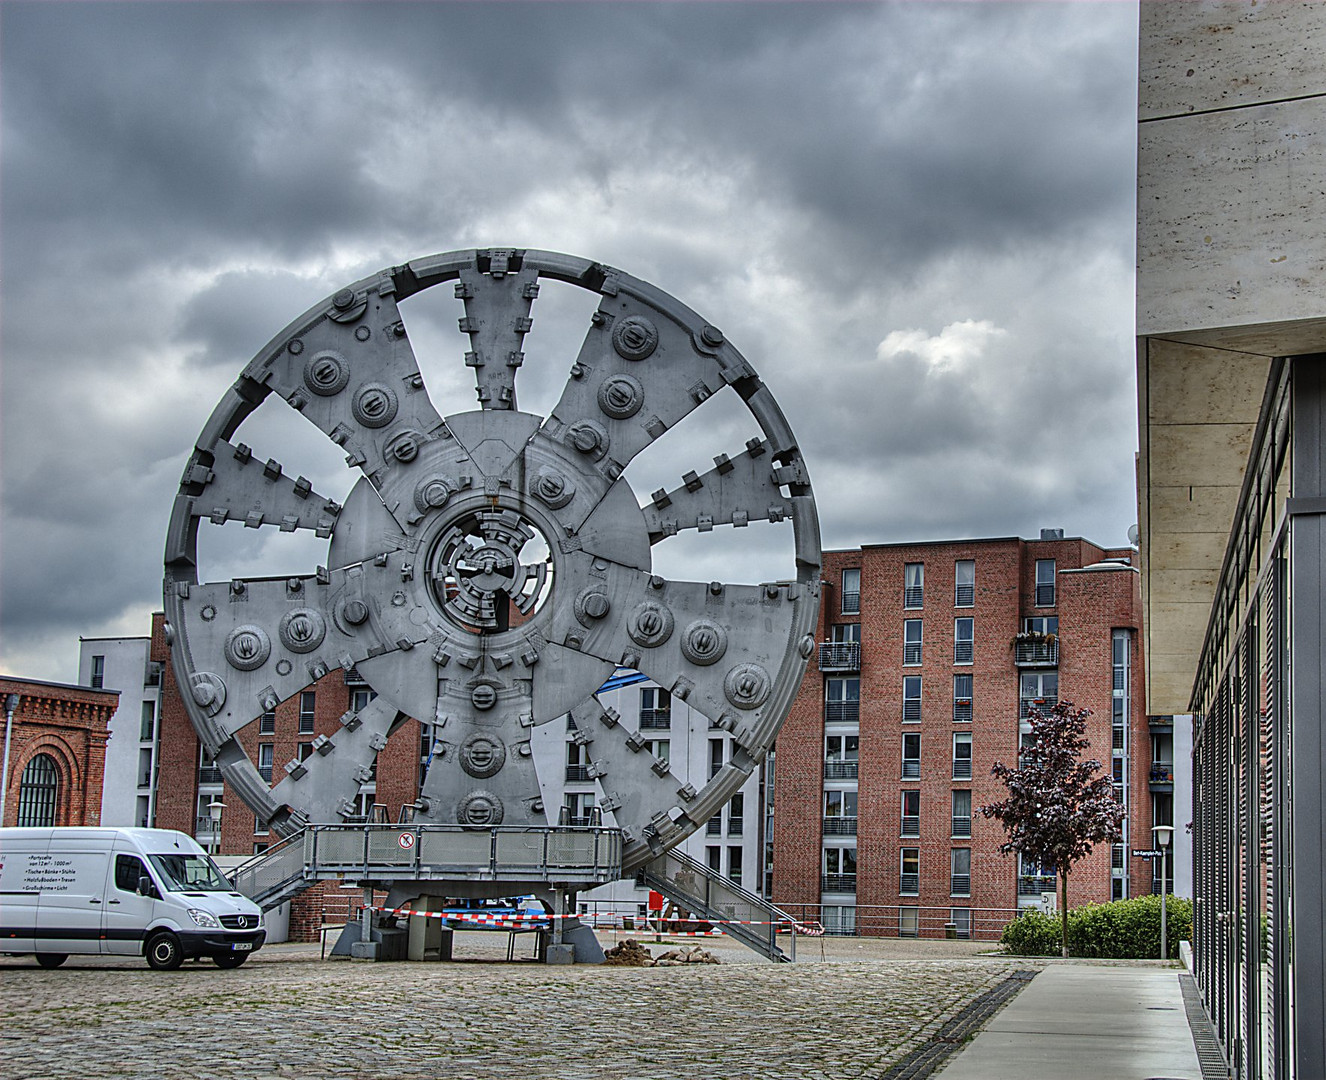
(214, 809)
(1162, 833)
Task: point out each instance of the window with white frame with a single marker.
(1038, 688)
(734, 855)
(911, 698)
(266, 754)
(964, 583)
(960, 871)
(962, 755)
(308, 701)
(962, 698)
(911, 813)
(960, 917)
(964, 633)
(851, 592)
(1045, 583)
(840, 813)
(909, 873)
(961, 813)
(655, 709)
(841, 753)
(911, 641)
(359, 699)
(909, 921)
(839, 869)
(911, 755)
(913, 585)
(842, 701)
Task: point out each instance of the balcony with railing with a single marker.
(909, 884)
(1035, 884)
(840, 770)
(840, 656)
(962, 710)
(960, 885)
(839, 826)
(911, 710)
(1045, 704)
(962, 826)
(851, 603)
(964, 596)
(655, 719)
(913, 596)
(265, 771)
(962, 768)
(1162, 776)
(1036, 650)
(911, 768)
(838, 883)
(963, 651)
(577, 774)
(911, 825)
(1045, 595)
(911, 652)
(842, 712)
(209, 774)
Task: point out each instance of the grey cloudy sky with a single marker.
(915, 220)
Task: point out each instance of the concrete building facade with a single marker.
(1231, 322)
(930, 655)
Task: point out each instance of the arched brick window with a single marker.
(38, 792)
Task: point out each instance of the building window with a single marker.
(655, 709)
(259, 826)
(964, 583)
(307, 711)
(911, 755)
(303, 751)
(267, 723)
(736, 815)
(1045, 583)
(851, 590)
(266, 752)
(715, 757)
(359, 699)
(1038, 688)
(147, 722)
(714, 826)
(660, 748)
(962, 697)
(734, 864)
(909, 921)
(839, 869)
(964, 633)
(839, 919)
(911, 698)
(840, 756)
(962, 755)
(911, 641)
(842, 701)
(259, 847)
(911, 813)
(578, 809)
(39, 792)
(960, 872)
(98, 679)
(913, 584)
(962, 814)
(909, 876)
(713, 855)
(960, 917)
(840, 813)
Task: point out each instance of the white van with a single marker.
(126, 892)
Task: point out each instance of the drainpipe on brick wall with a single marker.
(11, 703)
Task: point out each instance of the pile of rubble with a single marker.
(630, 953)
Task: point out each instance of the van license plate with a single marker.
(242, 946)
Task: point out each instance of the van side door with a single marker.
(128, 913)
(73, 899)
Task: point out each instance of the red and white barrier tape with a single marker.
(523, 920)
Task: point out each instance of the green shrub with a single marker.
(1121, 930)
(1032, 934)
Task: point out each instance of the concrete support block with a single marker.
(561, 954)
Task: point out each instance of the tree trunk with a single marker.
(1063, 912)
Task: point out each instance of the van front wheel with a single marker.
(164, 952)
(51, 959)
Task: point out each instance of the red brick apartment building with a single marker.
(930, 655)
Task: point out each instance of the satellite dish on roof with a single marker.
(1133, 534)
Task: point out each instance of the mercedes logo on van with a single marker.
(242, 921)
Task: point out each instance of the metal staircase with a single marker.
(708, 895)
(275, 876)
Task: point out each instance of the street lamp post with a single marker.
(214, 809)
(1162, 833)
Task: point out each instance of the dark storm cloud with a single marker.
(839, 185)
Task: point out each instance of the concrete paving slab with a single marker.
(1078, 1021)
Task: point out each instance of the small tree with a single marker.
(1057, 808)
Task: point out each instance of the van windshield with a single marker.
(190, 873)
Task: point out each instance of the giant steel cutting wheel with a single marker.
(489, 570)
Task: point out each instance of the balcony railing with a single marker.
(960, 885)
(265, 771)
(913, 596)
(655, 719)
(1118, 742)
(911, 768)
(204, 826)
(840, 770)
(1032, 653)
(840, 656)
(962, 827)
(964, 596)
(577, 774)
(842, 712)
(911, 652)
(962, 769)
(909, 884)
(1045, 704)
(210, 774)
(963, 652)
(839, 826)
(911, 709)
(844, 883)
(911, 824)
(1045, 596)
(851, 603)
(1035, 884)
(1162, 772)
(962, 709)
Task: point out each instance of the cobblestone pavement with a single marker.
(289, 1015)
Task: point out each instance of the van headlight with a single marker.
(203, 918)
(261, 920)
